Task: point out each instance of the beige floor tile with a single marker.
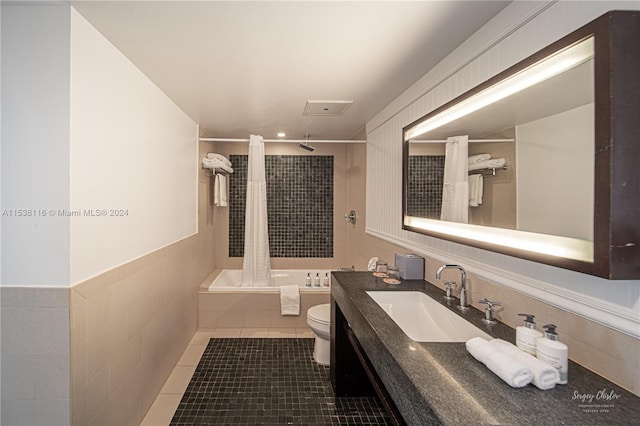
(304, 332)
(178, 379)
(226, 332)
(201, 337)
(162, 410)
(254, 332)
(282, 332)
(192, 355)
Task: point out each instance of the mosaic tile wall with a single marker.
(424, 192)
(299, 204)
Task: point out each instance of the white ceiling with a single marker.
(240, 67)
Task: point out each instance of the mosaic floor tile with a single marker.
(261, 381)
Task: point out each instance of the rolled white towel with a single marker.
(545, 376)
(494, 163)
(289, 300)
(219, 157)
(514, 373)
(478, 158)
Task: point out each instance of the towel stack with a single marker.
(512, 365)
(484, 161)
(218, 164)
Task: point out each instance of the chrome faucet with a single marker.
(463, 285)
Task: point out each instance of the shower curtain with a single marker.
(256, 266)
(455, 190)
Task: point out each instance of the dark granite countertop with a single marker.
(433, 383)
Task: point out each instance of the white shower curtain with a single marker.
(256, 266)
(455, 190)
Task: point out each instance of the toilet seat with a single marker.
(320, 314)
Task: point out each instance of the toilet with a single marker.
(319, 320)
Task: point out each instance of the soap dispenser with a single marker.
(307, 281)
(316, 280)
(527, 335)
(325, 281)
(552, 351)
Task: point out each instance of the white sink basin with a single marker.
(423, 319)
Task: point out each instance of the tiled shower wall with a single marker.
(424, 192)
(299, 204)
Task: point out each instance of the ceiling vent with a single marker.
(326, 108)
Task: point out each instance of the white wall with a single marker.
(35, 144)
(81, 128)
(132, 149)
(521, 29)
(555, 174)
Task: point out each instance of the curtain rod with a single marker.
(470, 140)
(287, 140)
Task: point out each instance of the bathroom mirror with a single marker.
(538, 162)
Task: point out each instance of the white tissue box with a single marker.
(411, 266)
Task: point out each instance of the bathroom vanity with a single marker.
(423, 383)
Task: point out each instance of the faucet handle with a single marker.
(488, 302)
(448, 290)
(488, 312)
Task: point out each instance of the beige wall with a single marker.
(339, 224)
(35, 356)
(130, 325)
(608, 352)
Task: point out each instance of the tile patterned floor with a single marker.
(268, 381)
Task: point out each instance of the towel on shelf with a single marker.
(219, 157)
(545, 376)
(476, 187)
(473, 159)
(494, 163)
(214, 165)
(513, 372)
(289, 300)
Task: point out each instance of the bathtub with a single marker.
(231, 279)
(223, 303)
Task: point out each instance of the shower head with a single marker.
(307, 147)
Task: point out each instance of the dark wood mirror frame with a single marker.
(616, 242)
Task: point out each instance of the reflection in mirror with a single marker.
(529, 162)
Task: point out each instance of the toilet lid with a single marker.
(320, 313)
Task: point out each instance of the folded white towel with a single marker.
(487, 164)
(545, 376)
(513, 372)
(476, 186)
(289, 300)
(478, 158)
(219, 157)
(214, 165)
